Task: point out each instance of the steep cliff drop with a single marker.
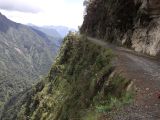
(94, 80)
(81, 82)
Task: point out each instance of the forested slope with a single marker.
(25, 56)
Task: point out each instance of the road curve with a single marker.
(147, 64)
(145, 72)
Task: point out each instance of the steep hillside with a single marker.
(93, 80)
(81, 85)
(25, 55)
(133, 23)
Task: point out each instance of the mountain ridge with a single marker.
(5, 23)
(94, 80)
(25, 56)
(48, 31)
(51, 30)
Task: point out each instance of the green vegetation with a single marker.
(80, 85)
(113, 96)
(74, 80)
(25, 56)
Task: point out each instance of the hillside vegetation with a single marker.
(26, 55)
(81, 82)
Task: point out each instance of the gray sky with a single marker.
(44, 12)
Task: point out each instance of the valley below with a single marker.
(26, 56)
(107, 70)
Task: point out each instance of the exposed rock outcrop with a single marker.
(133, 23)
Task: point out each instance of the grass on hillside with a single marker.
(78, 81)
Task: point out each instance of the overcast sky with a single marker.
(44, 12)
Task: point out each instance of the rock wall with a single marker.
(146, 38)
(133, 23)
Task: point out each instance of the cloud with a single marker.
(48, 12)
(19, 5)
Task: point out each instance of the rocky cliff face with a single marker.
(133, 23)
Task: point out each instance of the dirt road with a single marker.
(144, 71)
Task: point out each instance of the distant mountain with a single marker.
(62, 30)
(26, 54)
(54, 31)
(49, 31)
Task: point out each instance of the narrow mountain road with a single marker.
(144, 71)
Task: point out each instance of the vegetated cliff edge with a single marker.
(133, 23)
(80, 85)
